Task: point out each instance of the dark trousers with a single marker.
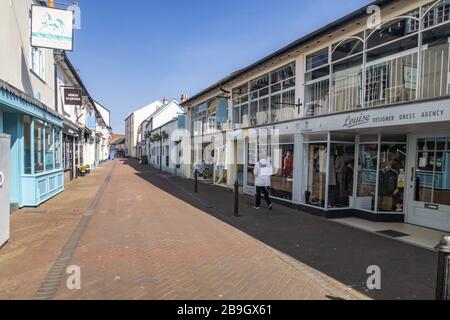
(262, 191)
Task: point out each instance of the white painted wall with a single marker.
(132, 124)
(167, 114)
(15, 60)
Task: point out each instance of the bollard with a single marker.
(443, 249)
(236, 198)
(196, 181)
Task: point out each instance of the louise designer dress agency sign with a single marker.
(52, 28)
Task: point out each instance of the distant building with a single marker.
(132, 124)
(117, 146)
(164, 114)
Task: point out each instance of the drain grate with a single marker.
(393, 234)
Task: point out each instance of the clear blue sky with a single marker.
(132, 52)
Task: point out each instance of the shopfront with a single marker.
(280, 152)
(429, 164)
(383, 164)
(36, 148)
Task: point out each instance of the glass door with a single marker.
(430, 183)
(250, 162)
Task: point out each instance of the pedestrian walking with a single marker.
(263, 172)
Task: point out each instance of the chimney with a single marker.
(183, 98)
(165, 101)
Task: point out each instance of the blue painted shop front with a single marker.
(36, 148)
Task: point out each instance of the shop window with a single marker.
(255, 152)
(342, 164)
(433, 171)
(49, 148)
(38, 146)
(317, 174)
(367, 177)
(27, 144)
(68, 152)
(282, 180)
(58, 145)
(220, 170)
(392, 178)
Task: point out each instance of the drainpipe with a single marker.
(160, 149)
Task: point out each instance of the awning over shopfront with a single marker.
(17, 100)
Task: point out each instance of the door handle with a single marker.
(413, 174)
(2, 179)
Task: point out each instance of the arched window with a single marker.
(435, 50)
(347, 65)
(394, 30)
(392, 61)
(436, 13)
(347, 48)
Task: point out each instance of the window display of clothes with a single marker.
(392, 179)
(317, 175)
(288, 164)
(341, 175)
(282, 180)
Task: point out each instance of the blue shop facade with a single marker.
(36, 147)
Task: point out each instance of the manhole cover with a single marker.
(393, 234)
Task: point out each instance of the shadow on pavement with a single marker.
(341, 252)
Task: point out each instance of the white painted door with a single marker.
(429, 187)
(4, 188)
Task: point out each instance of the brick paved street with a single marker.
(37, 236)
(143, 243)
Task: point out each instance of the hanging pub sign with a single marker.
(51, 28)
(73, 97)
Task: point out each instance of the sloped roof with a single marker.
(290, 47)
(22, 95)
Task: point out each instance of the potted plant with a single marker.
(82, 171)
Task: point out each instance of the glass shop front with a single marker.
(353, 171)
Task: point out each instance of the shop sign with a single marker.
(73, 97)
(407, 114)
(51, 28)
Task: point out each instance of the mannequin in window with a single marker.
(332, 181)
(389, 191)
(340, 174)
(288, 165)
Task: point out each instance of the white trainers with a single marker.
(270, 207)
(257, 208)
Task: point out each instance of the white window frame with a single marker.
(37, 62)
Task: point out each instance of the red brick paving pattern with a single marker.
(143, 243)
